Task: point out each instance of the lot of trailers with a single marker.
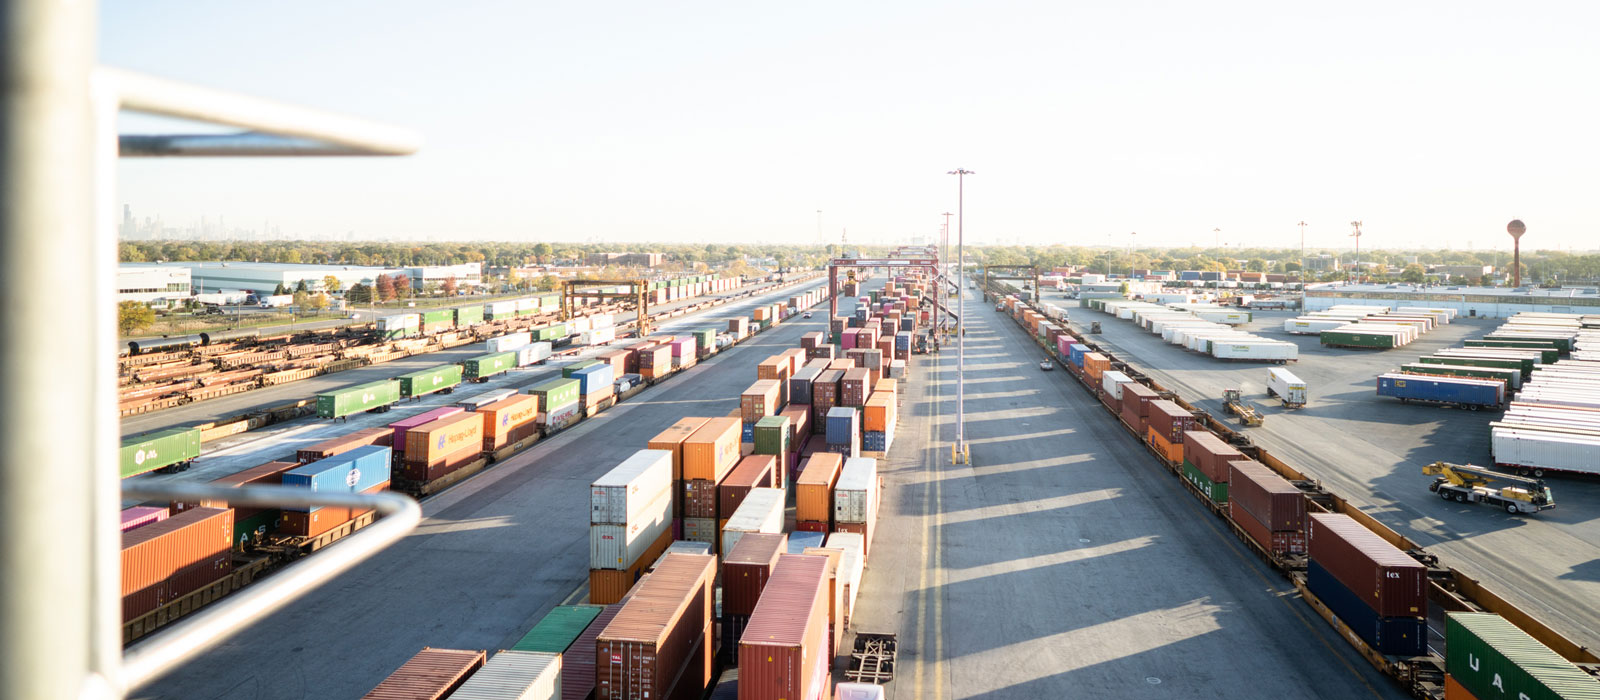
(1201, 328)
(265, 541)
(1161, 425)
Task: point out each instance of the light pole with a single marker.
(944, 273)
(961, 314)
(1302, 275)
(1217, 233)
(1357, 235)
(1130, 254)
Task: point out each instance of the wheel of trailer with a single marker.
(1538, 473)
(1512, 508)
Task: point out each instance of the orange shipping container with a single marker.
(879, 414)
(432, 442)
(796, 357)
(772, 368)
(711, 451)
(166, 560)
(887, 386)
(607, 586)
(813, 490)
(672, 440)
(502, 418)
(1095, 364)
(1171, 451)
(760, 400)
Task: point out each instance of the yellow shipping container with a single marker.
(433, 442)
(502, 418)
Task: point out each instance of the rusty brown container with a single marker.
(577, 664)
(646, 647)
(441, 466)
(746, 569)
(1136, 400)
(1169, 420)
(607, 586)
(1275, 502)
(835, 594)
(1209, 454)
(166, 560)
(799, 424)
(813, 489)
(783, 651)
(502, 418)
(754, 471)
(672, 440)
(700, 498)
(854, 387)
(1387, 579)
(824, 395)
(345, 443)
(618, 359)
(760, 400)
(324, 519)
(433, 674)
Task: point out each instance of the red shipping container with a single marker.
(699, 498)
(433, 674)
(166, 560)
(654, 637)
(1209, 454)
(746, 569)
(783, 654)
(854, 387)
(577, 667)
(761, 400)
(755, 471)
(1280, 542)
(824, 395)
(1392, 583)
(324, 519)
(1273, 501)
(1136, 400)
(1170, 420)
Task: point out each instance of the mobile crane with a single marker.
(1465, 483)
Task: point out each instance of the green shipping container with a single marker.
(1523, 366)
(1218, 493)
(550, 302)
(484, 366)
(162, 448)
(1547, 354)
(554, 331)
(1562, 343)
(556, 393)
(469, 315)
(569, 369)
(1357, 340)
(1511, 377)
(438, 318)
(772, 436)
(558, 629)
(254, 528)
(705, 339)
(1491, 658)
(355, 399)
(424, 382)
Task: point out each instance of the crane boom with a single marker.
(1466, 483)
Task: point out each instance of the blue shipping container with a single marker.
(875, 441)
(800, 385)
(352, 472)
(798, 541)
(842, 426)
(747, 432)
(595, 378)
(902, 340)
(856, 322)
(1396, 636)
(907, 323)
(1454, 390)
(1077, 355)
(1189, 275)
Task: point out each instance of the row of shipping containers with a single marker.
(1201, 328)
(1376, 590)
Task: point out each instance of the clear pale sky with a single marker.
(1434, 122)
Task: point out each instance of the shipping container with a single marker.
(621, 546)
(752, 472)
(399, 428)
(747, 567)
(595, 381)
(814, 489)
(485, 366)
(555, 394)
(1454, 391)
(355, 399)
(345, 443)
(1169, 420)
(1389, 581)
(783, 652)
(1275, 502)
(514, 675)
(761, 511)
(578, 672)
(443, 444)
(620, 496)
(164, 561)
(654, 635)
(533, 353)
(1289, 389)
(835, 594)
(509, 420)
(162, 448)
(712, 451)
(774, 435)
(1395, 636)
(355, 471)
(852, 565)
(324, 519)
(433, 674)
(250, 523)
(855, 494)
(760, 400)
(1209, 454)
(144, 515)
(1492, 658)
(558, 629)
(699, 498)
(607, 586)
(424, 382)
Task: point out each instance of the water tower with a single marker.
(1516, 228)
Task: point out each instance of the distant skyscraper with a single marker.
(128, 228)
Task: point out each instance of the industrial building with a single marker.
(153, 284)
(263, 278)
(625, 259)
(465, 274)
(1488, 302)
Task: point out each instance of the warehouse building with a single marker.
(1488, 302)
(154, 284)
(625, 259)
(465, 274)
(263, 278)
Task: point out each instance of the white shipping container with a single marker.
(1531, 449)
(527, 304)
(761, 511)
(851, 565)
(620, 496)
(399, 322)
(858, 691)
(1283, 384)
(502, 309)
(514, 675)
(1254, 350)
(1307, 325)
(619, 546)
(577, 325)
(1111, 381)
(597, 336)
(602, 321)
(855, 494)
(507, 343)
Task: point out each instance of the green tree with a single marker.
(1256, 265)
(541, 250)
(547, 283)
(301, 286)
(302, 300)
(359, 294)
(1413, 273)
(132, 316)
(280, 291)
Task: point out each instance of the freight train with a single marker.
(1373, 585)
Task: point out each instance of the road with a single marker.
(1065, 562)
(235, 404)
(1371, 451)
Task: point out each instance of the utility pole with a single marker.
(1130, 259)
(944, 272)
(961, 456)
(1217, 234)
(1357, 235)
(1302, 226)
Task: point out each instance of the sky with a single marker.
(1103, 123)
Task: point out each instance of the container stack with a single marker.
(167, 560)
(440, 447)
(783, 652)
(761, 510)
(1378, 591)
(709, 454)
(842, 431)
(762, 399)
(509, 421)
(400, 427)
(361, 470)
(1488, 657)
(745, 572)
(1206, 461)
(775, 436)
(1267, 507)
(660, 640)
(856, 495)
(630, 523)
(559, 401)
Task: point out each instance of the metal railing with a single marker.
(60, 492)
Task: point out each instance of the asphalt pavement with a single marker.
(1371, 450)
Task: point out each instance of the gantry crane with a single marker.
(1465, 483)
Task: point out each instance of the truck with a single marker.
(275, 300)
(222, 298)
(1465, 483)
(1291, 390)
(1461, 392)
